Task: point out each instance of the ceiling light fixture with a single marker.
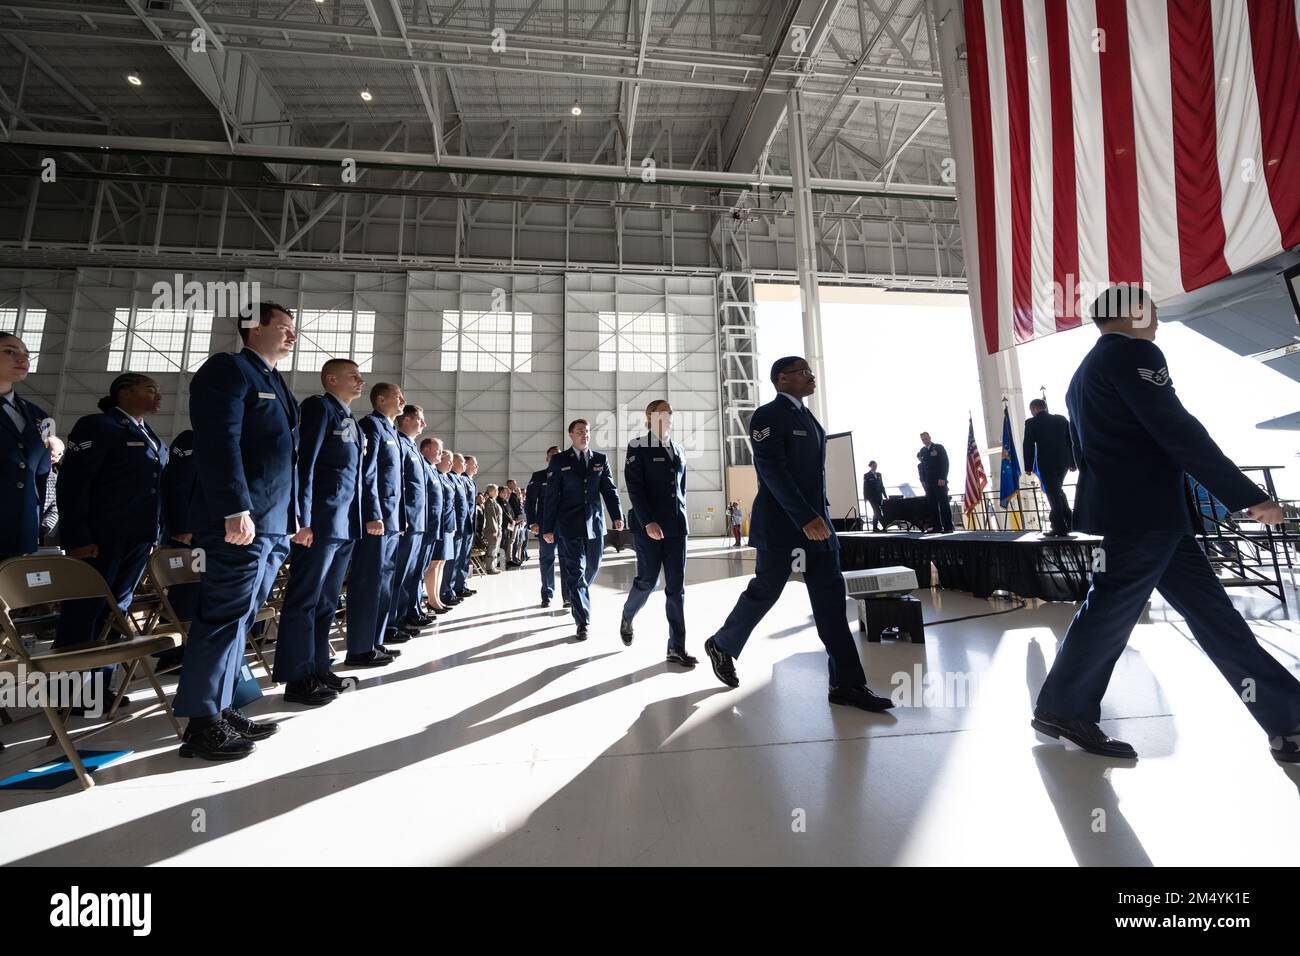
(575, 109)
(134, 79)
(367, 95)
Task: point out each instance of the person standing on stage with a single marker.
(415, 505)
(790, 526)
(245, 508)
(374, 562)
(873, 491)
(1134, 445)
(329, 501)
(932, 463)
(655, 472)
(1048, 452)
(577, 480)
(24, 456)
(534, 503)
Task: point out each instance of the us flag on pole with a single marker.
(1146, 141)
(976, 480)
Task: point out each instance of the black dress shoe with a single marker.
(392, 652)
(682, 658)
(1286, 749)
(582, 632)
(368, 659)
(416, 623)
(451, 601)
(251, 729)
(396, 635)
(310, 692)
(546, 602)
(216, 741)
(333, 681)
(567, 604)
(1082, 733)
(860, 697)
(468, 592)
(724, 667)
(625, 631)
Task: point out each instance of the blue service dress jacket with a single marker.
(381, 474)
(245, 423)
(655, 474)
(574, 494)
(110, 482)
(789, 446)
(1133, 441)
(329, 469)
(24, 466)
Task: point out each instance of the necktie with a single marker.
(14, 412)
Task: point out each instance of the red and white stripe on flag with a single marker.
(1149, 141)
(976, 480)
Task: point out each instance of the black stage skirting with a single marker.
(981, 562)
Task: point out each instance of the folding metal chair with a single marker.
(169, 567)
(42, 579)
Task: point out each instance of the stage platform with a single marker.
(981, 562)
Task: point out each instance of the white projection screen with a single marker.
(841, 477)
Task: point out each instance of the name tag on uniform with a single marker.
(389, 441)
(135, 444)
(182, 454)
(660, 459)
(798, 432)
(266, 394)
(565, 467)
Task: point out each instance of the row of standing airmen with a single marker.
(260, 480)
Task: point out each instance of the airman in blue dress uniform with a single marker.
(578, 479)
(1134, 443)
(329, 501)
(534, 502)
(374, 560)
(245, 423)
(790, 526)
(110, 508)
(24, 457)
(654, 470)
(426, 601)
(407, 615)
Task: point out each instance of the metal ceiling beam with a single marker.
(867, 47)
(476, 165)
(635, 94)
(755, 120)
(357, 43)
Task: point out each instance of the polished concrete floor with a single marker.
(497, 739)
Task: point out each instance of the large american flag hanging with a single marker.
(1150, 141)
